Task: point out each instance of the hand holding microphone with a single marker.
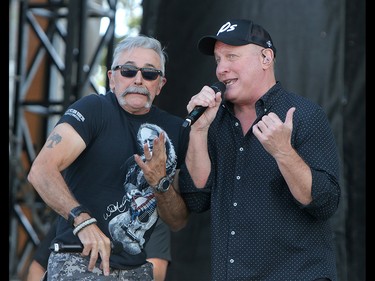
(199, 110)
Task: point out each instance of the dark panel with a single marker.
(355, 137)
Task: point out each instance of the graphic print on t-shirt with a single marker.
(138, 206)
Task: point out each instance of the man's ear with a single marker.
(267, 55)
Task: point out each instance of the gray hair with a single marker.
(140, 41)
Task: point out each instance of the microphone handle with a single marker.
(116, 247)
(66, 248)
(194, 115)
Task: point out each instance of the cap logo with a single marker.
(269, 44)
(226, 28)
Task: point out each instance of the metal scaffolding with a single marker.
(52, 67)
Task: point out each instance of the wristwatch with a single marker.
(163, 185)
(75, 212)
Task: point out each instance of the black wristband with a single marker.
(75, 212)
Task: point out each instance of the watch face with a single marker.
(163, 185)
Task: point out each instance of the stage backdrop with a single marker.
(320, 54)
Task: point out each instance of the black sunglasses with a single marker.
(130, 71)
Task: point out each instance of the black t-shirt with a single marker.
(105, 177)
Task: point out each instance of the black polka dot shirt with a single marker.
(259, 231)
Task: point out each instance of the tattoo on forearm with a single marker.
(53, 139)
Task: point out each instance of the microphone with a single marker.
(198, 110)
(116, 247)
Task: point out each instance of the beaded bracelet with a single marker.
(83, 224)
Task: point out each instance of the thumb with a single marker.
(289, 117)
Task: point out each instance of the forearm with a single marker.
(297, 175)
(172, 208)
(36, 271)
(49, 183)
(197, 158)
(160, 268)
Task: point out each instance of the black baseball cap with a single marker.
(237, 32)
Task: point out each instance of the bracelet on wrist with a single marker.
(83, 224)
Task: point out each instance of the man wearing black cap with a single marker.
(265, 161)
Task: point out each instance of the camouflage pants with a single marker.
(69, 267)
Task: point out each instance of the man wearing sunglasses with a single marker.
(98, 172)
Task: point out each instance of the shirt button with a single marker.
(231, 260)
(238, 177)
(232, 232)
(265, 109)
(236, 124)
(241, 148)
(235, 204)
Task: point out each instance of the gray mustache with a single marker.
(139, 90)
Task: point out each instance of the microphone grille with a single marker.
(219, 87)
